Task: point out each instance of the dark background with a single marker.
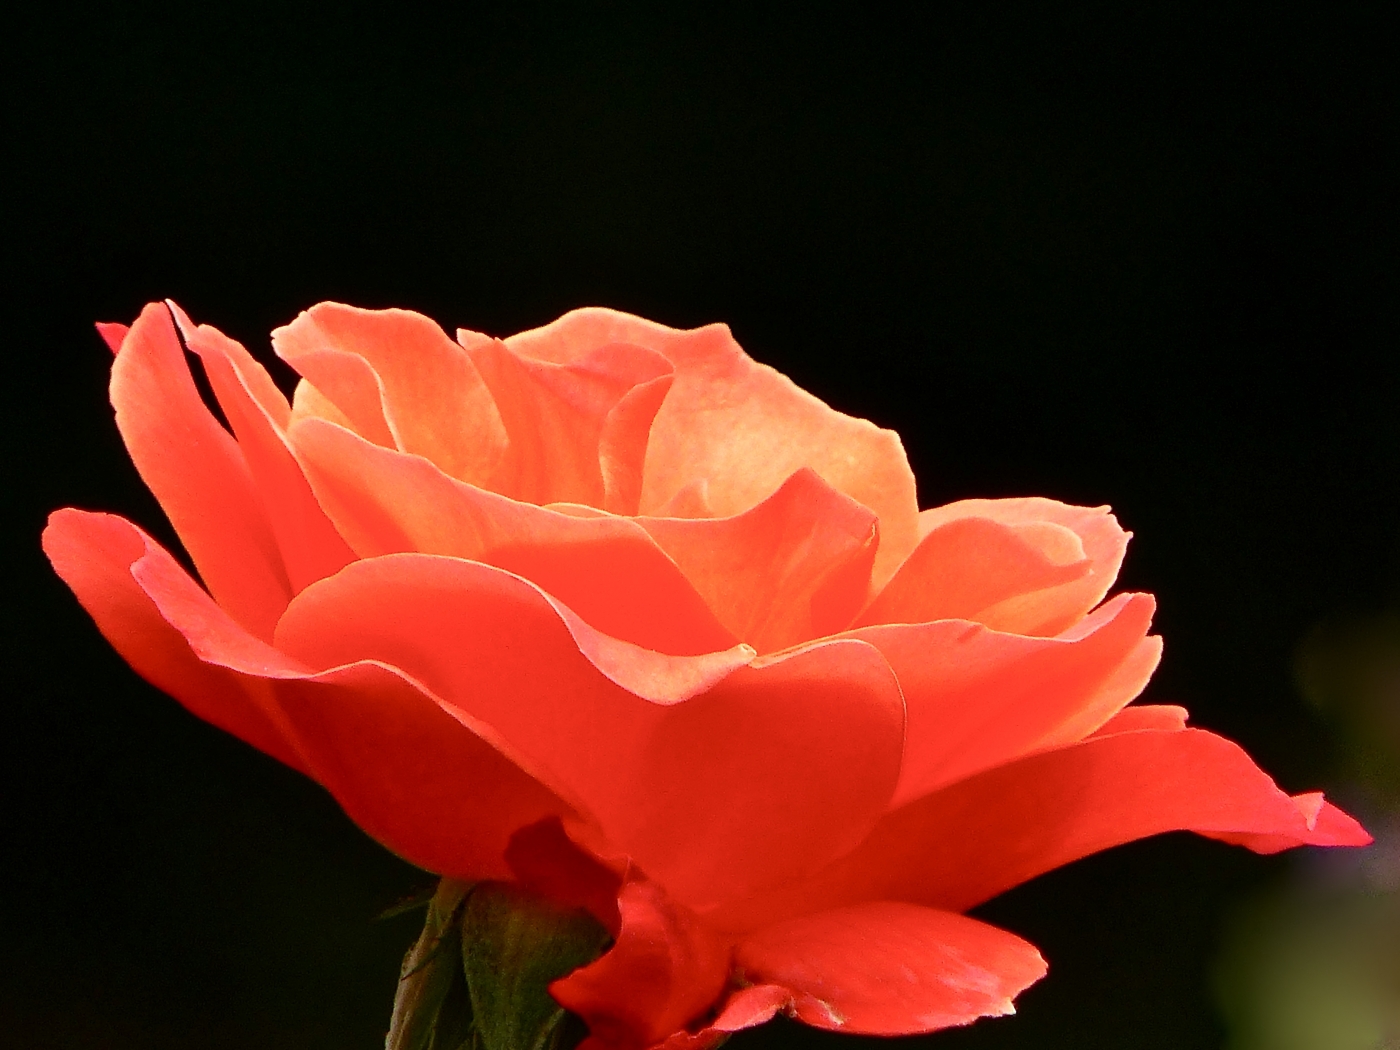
(1142, 254)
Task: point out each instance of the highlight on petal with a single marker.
(888, 968)
(1024, 566)
(198, 472)
(978, 698)
(762, 774)
(969, 842)
(401, 382)
(309, 544)
(605, 568)
(578, 432)
(665, 969)
(794, 567)
(743, 427)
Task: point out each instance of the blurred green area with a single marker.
(1314, 963)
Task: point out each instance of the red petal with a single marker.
(578, 431)
(257, 411)
(756, 777)
(401, 381)
(665, 969)
(886, 968)
(795, 567)
(978, 698)
(198, 473)
(408, 772)
(544, 860)
(95, 554)
(607, 569)
(743, 427)
(965, 844)
(746, 1008)
(112, 333)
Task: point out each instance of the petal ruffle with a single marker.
(310, 547)
(401, 382)
(978, 698)
(887, 968)
(665, 969)
(761, 774)
(794, 567)
(967, 843)
(605, 568)
(197, 471)
(743, 427)
(1023, 566)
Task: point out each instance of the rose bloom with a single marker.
(611, 611)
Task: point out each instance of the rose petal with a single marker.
(409, 773)
(1138, 717)
(665, 969)
(743, 427)
(607, 569)
(310, 547)
(1023, 566)
(979, 569)
(94, 555)
(792, 568)
(965, 844)
(402, 382)
(197, 471)
(886, 968)
(758, 775)
(112, 333)
(978, 698)
(578, 431)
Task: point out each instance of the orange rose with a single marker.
(611, 610)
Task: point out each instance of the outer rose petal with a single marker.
(402, 382)
(792, 568)
(967, 843)
(743, 427)
(755, 778)
(408, 772)
(310, 547)
(745, 1008)
(197, 471)
(978, 698)
(665, 969)
(1024, 566)
(94, 555)
(578, 431)
(887, 968)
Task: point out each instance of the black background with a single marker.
(1141, 254)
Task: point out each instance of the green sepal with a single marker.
(478, 977)
(432, 1010)
(514, 946)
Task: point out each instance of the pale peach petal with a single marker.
(1047, 565)
(402, 382)
(577, 432)
(743, 427)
